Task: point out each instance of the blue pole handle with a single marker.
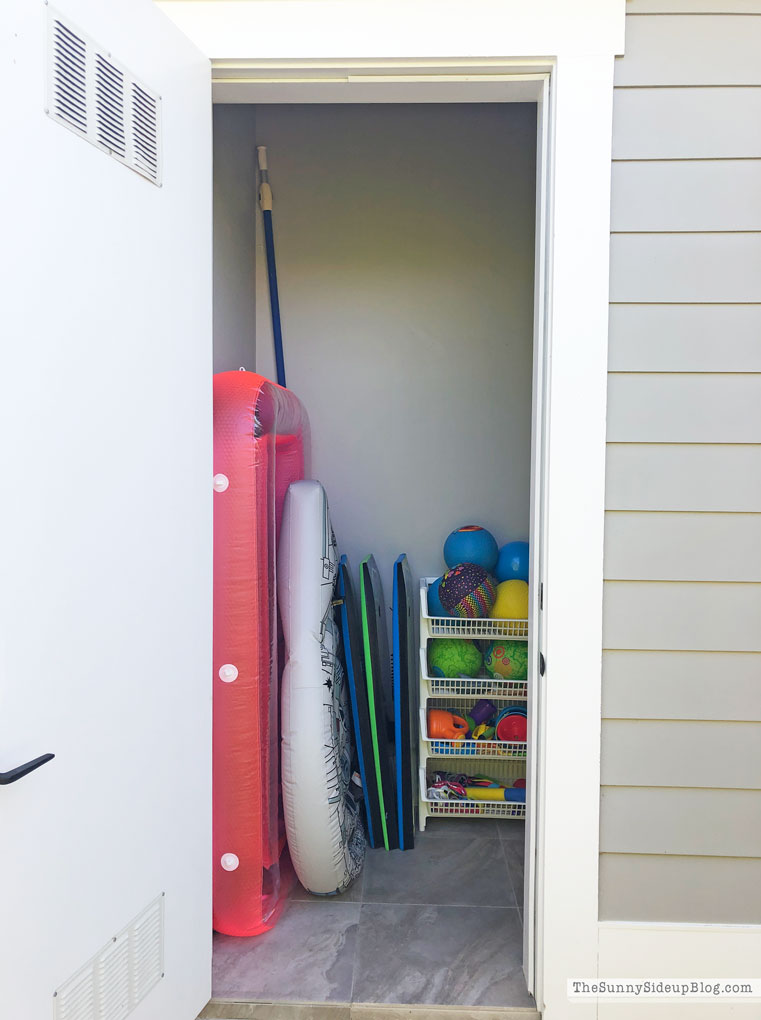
(277, 333)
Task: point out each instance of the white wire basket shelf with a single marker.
(484, 628)
(467, 748)
(464, 687)
(470, 808)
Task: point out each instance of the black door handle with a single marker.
(23, 770)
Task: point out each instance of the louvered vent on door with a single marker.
(109, 105)
(145, 131)
(69, 100)
(101, 100)
(115, 981)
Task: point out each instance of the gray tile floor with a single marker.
(438, 925)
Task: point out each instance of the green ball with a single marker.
(453, 657)
(507, 660)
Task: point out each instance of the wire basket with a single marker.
(484, 628)
(464, 687)
(466, 748)
(470, 808)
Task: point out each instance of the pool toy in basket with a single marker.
(459, 786)
(468, 591)
(506, 660)
(512, 725)
(511, 601)
(454, 657)
(471, 544)
(512, 562)
(484, 722)
(443, 725)
(435, 607)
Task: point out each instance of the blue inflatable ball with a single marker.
(471, 544)
(435, 607)
(512, 564)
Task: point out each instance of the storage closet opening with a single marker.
(406, 252)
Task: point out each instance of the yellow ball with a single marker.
(512, 601)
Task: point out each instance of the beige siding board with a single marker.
(657, 123)
(693, 7)
(687, 195)
(682, 616)
(710, 890)
(681, 685)
(688, 408)
(709, 50)
(685, 338)
(685, 267)
(713, 755)
(641, 820)
(682, 547)
(673, 477)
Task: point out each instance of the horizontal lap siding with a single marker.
(684, 408)
(723, 267)
(716, 52)
(699, 755)
(698, 889)
(685, 337)
(682, 615)
(673, 476)
(676, 820)
(682, 547)
(644, 684)
(687, 123)
(680, 829)
(680, 195)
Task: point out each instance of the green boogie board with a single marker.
(380, 696)
(353, 651)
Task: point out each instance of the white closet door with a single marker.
(105, 618)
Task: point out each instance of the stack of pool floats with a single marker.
(483, 580)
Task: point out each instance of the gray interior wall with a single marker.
(405, 252)
(681, 748)
(235, 201)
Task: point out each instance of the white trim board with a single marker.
(380, 89)
(579, 42)
(642, 950)
(574, 318)
(639, 949)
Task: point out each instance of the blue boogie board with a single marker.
(380, 695)
(405, 701)
(354, 663)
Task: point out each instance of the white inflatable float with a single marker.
(325, 834)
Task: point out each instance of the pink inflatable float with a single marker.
(261, 440)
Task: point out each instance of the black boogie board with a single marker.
(380, 695)
(354, 663)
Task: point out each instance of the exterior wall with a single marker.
(680, 826)
(235, 205)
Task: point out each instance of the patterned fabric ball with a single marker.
(467, 590)
(507, 660)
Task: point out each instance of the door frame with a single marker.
(574, 103)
